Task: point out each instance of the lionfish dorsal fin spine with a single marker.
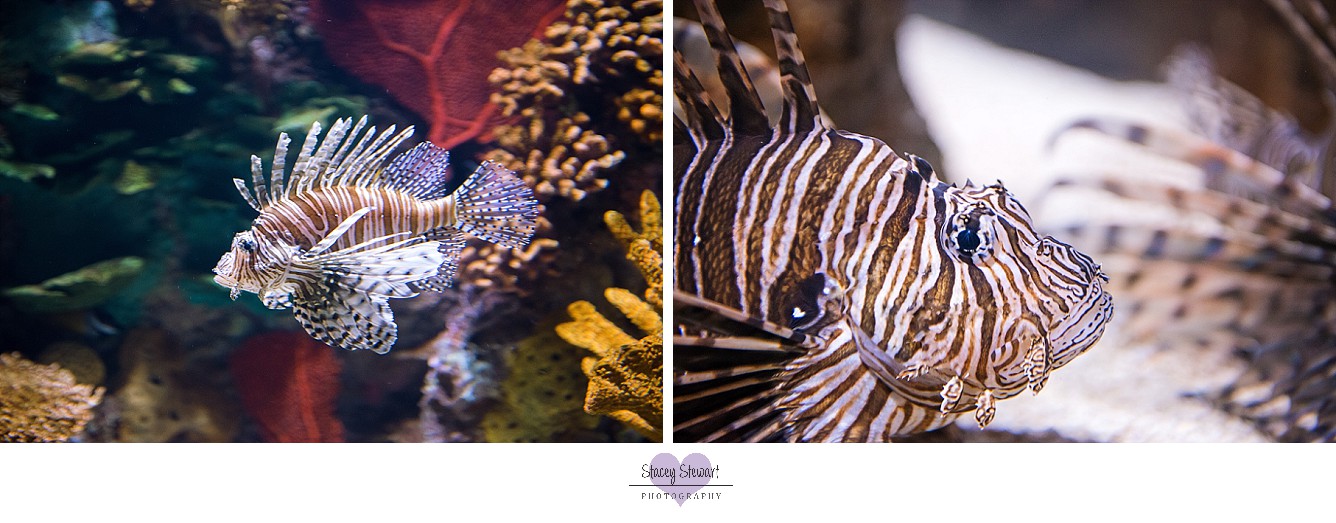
(257, 180)
(1306, 25)
(703, 119)
(363, 172)
(746, 115)
(245, 192)
(320, 162)
(279, 167)
(801, 112)
(336, 164)
(369, 165)
(299, 169)
(346, 171)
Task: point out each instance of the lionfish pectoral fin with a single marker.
(495, 205)
(392, 270)
(682, 299)
(736, 343)
(348, 319)
(338, 231)
(882, 364)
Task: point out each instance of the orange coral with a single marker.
(42, 402)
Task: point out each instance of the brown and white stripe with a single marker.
(907, 312)
(346, 231)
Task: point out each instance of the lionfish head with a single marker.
(1021, 277)
(236, 269)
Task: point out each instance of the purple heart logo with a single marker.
(677, 482)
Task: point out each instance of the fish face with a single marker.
(239, 269)
(1012, 290)
(969, 291)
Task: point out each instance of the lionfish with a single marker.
(832, 290)
(1243, 265)
(347, 232)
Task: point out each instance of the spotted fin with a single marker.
(387, 270)
(450, 244)
(495, 205)
(348, 319)
(423, 171)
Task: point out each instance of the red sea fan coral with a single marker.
(289, 383)
(433, 56)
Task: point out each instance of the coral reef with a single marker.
(432, 56)
(42, 402)
(86, 287)
(122, 123)
(487, 266)
(159, 401)
(289, 383)
(643, 248)
(626, 376)
(599, 64)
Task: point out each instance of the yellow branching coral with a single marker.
(626, 374)
(643, 248)
(42, 402)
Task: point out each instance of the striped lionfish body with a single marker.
(348, 232)
(893, 302)
(1243, 263)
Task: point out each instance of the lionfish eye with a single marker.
(805, 306)
(247, 245)
(967, 240)
(970, 235)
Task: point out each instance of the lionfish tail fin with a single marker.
(495, 205)
(801, 111)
